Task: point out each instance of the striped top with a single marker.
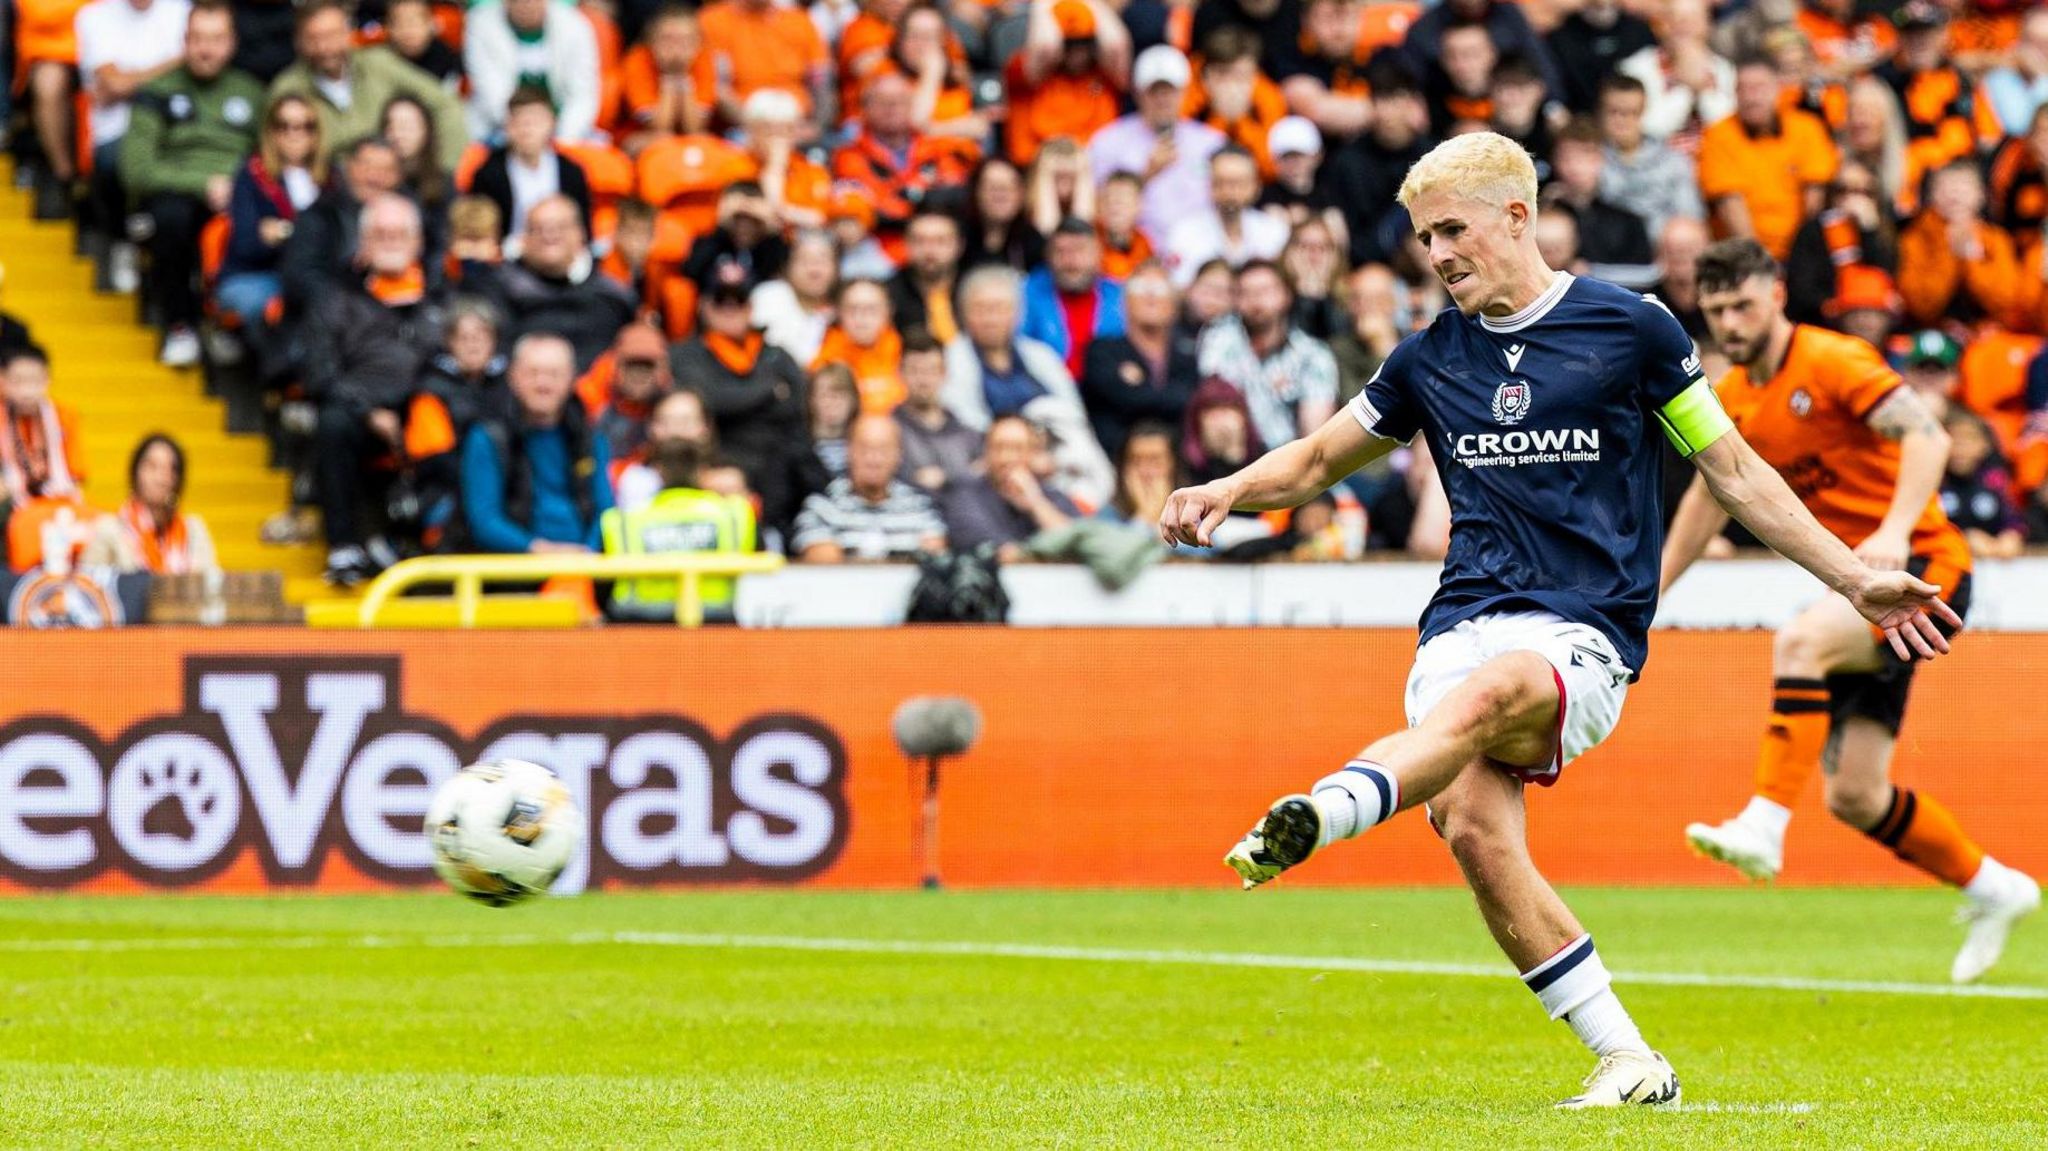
(895, 528)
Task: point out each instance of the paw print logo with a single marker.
(174, 802)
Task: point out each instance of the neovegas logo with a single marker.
(300, 758)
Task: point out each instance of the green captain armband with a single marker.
(1695, 419)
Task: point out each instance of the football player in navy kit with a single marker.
(1539, 394)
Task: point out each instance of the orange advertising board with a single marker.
(243, 759)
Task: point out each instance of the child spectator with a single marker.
(1977, 489)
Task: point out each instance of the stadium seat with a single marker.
(683, 176)
(611, 177)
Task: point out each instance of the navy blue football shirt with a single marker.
(1543, 427)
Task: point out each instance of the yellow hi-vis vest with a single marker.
(679, 520)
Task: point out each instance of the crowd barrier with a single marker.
(241, 760)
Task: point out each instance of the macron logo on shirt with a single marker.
(1514, 355)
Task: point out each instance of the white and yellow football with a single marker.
(502, 831)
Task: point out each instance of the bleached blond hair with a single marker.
(1485, 166)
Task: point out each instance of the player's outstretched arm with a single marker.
(1286, 476)
(1698, 521)
(1753, 492)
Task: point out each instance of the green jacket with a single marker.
(679, 520)
(183, 130)
(377, 74)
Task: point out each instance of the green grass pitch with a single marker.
(989, 1019)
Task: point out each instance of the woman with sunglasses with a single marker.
(281, 180)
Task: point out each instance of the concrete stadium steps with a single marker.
(105, 369)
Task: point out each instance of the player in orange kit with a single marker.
(1866, 456)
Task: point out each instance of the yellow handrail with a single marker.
(469, 574)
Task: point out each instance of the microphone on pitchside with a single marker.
(930, 728)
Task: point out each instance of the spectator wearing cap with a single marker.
(1687, 85)
(896, 165)
(512, 44)
(793, 186)
(1324, 70)
(747, 238)
(535, 479)
(349, 86)
(1234, 96)
(753, 390)
(992, 370)
(1364, 175)
(1613, 240)
(528, 168)
(1164, 148)
(759, 45)
(633, 382)
(1230, 229)
(1068, 302)
(554, 286)
(1855, 227)
(188, 133)
(367, 346)
(1296, 193)
(1289, 380)
(1943, 115)
(1504, 23)
(868, 514)
(1763, 170)
(866, 341)
(938, 450)
(1139, 375)
(2018, 89)
(1953, 265)
(921, 294)
(1929, 367)
(1638, 173)
(1065, 82)
(1587, 46)
(1007, 502)
(1865, 305)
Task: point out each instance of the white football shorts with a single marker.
(1591, 678)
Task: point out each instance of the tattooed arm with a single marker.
(1923, 456)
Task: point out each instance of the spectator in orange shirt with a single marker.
(1941, 125)
(1463, 90)
(866, 341)
(925, 51)
(796, 188)
(898, 166)
(2019, 180)
(1847, 43)
(1762, 171)
(1124, 246)
(1234, 96)
(759, 45)
(670, 81)
(1953, 265)
(1066, 80)
(864, 46)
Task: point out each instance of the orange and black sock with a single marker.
(1925, 834)
(1792, 743)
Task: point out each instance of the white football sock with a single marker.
(1767, 815)
(1573, 985)
(1363, 795)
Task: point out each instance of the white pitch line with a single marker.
(995, 950)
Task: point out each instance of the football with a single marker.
(502, 830)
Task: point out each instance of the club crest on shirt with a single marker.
(1801, 402)
(1511, 401)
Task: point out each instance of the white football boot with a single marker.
(1290, 832)
(1624, 1079)
(1991, 918)
(1740, 844)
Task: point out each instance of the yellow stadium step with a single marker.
(104, 368)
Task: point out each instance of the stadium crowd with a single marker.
(865, 280)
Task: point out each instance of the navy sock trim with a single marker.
(1379, 781)
(1560, 968)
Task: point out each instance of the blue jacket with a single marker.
(555, 512)
(1046, 321)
